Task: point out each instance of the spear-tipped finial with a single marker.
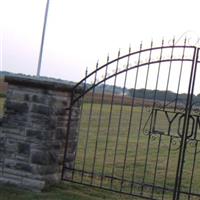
(108, 57)
(86, 71)
(141, 45)
(151, 43)
(119, 52)
(185, 40)
(173, 41)
(129, 49)
(97, 64)
(163, 41)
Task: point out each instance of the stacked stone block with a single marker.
(33, 132)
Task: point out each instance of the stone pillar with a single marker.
(33, 132)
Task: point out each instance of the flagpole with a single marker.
(42, 40)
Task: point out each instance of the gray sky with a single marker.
(79, 32)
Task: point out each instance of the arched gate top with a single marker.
(132, 60)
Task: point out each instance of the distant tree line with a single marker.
(161, 95)
(145, 93)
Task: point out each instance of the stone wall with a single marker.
(33, 132)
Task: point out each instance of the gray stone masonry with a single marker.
(33, 132)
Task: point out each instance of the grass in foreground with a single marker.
(112, 148)
(64, 191)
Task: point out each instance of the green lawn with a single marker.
(108, 146)
(111, 147)
(66, 191)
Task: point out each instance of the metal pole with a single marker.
(42, 40)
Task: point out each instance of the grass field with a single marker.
(114, 151)
(112, 154)
(66, 191)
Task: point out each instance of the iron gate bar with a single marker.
(185, 127)
(112, 101)
(169, 72)
(67, 137)
(109, 77)
(133, 175)
(154, 99)
(134, 183)
(180, 74)
(191, 179)
(101, 107)
(112, 190)
(130, 54)
(132, 105)
(129, 131)
(141, 115)
(97, 136)
(192, 90)
(68, 129)
(89, 124)
(81, 111)
(120, 118)
(146, 188)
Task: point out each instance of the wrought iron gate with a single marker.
(139, 128)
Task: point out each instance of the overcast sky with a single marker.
(79, 32)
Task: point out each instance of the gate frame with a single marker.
(188, 107)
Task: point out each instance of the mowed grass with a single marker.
(109, 147)
(64, 191)
(114, 143)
